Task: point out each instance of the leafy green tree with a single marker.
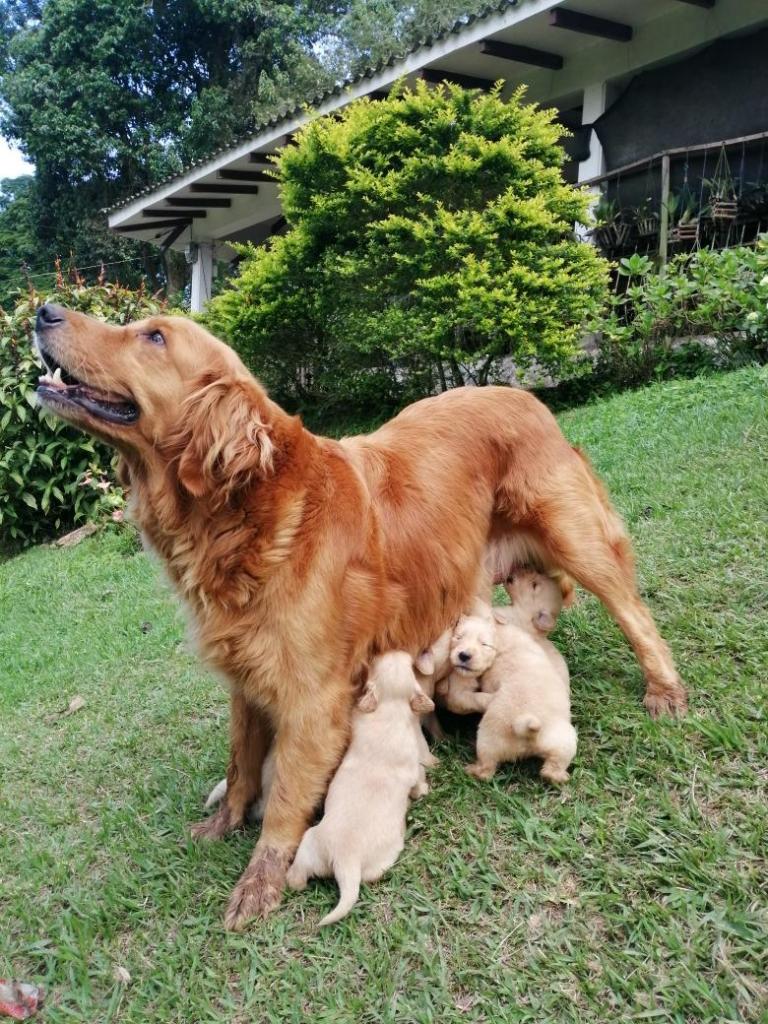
(18, 246)
(430, 241)
(106, 97)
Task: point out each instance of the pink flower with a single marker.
(118, 515)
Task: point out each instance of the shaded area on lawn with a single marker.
(638, 891)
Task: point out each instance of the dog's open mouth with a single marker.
(59, 387)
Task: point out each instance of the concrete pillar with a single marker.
(202, 276)
(594, 103)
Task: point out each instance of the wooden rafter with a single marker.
(436, 75)
(153, 225)
(212, 202)
(227, 190)
(194, 214)
(522, 54)
(245, 176)
(588, 24)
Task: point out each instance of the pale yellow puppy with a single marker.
(529, 714)
(471, 652)
(362, 830)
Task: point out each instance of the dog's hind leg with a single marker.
(250, 738)
(580, 531)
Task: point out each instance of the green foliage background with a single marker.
(430, 235)
(46, 465)
(106, 97)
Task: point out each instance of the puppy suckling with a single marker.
(256, 811)
(529, 714)
(362, 830)
(471, 652)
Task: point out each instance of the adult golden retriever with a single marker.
(300, 557)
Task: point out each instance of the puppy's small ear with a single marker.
(544, 621)
(421, 703)
(369, 700)
(567, 590)
(425, 662)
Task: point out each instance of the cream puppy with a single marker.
(529, 714)
(471, 652)
(256, 813)
(362, 830)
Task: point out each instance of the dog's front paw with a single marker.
(218, 825)
(672, 701)
(259, 890)
(480, 771)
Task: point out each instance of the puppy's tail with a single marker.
(348, 877)
(217, 793)
(526, 725)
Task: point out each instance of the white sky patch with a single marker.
(12, 163)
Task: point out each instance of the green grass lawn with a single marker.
(638, 892)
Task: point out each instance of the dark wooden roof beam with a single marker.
(245, 176)
(589, 25)
(700, 3)
(195, 214)
(226, 190)
(152, 225)
(261, 158)
(172, 236)
(521, 54)
(435, 76)
(219, 202)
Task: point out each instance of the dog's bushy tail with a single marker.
(526, 725)
(348, 877)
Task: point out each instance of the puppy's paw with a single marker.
(671, 701)
(259, 890)
(480, 771)
(218, 825)
(296, 879)
(555, 775)
(420, 789)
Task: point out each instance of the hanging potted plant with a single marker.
(723, 204)
(603, 233)
(646, 219)
(684, 217)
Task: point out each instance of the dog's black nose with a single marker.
(50, 315)
(464, 657)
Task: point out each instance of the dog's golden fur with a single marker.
(301, 557)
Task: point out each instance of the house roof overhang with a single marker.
(555, 47)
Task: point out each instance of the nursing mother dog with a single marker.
(300, 558)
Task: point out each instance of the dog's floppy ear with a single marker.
(425, 662)
(369, 700)
(544, 621)
(223, 440)
(421, 703)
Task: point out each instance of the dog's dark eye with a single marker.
(156, 338)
